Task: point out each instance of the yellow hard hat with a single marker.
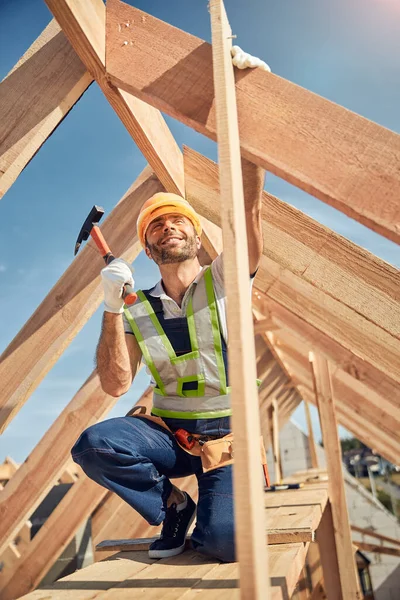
(163, 203)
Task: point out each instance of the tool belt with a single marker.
(213, 451)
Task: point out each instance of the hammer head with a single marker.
(93, 217)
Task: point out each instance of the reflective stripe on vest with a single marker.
(203, 364)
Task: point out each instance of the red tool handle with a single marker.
(128, 294)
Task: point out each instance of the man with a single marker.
(179, 329)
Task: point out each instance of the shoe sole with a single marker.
(172, 551)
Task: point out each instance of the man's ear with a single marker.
(198, 242)
(148, 253)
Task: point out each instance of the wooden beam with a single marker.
(84, 24)
(283, 128)
(308, 249)
(34, 98)
(70, 303)
(78, 504)
(275, 440)
(265, 325)
(377, 548)
(328, 550)
(311, 440)
(375, 534)
(52, 538)
(20, 498)
(361, 420)
(249, 502)
(311, 271)
(340, 517)
(331, 349)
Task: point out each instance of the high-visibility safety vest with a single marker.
(192, 385)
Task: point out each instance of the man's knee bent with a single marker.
(216, 542)
(90, 441)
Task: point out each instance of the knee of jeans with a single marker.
(90, 439)
(218, 542)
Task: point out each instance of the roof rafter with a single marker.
(283, 128)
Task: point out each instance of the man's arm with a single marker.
(118, 356)
(253, 185)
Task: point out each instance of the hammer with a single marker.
(90, 228)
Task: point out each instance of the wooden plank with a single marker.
(34, 98)
(329, 556)
(327, 415)
(283, 127)
(363, 410)
(275, 536)
(377, 548)
(21, 497)
(306, 248)
(52, 538)
(84, 24)
(375, 534)
(275, 440)
(354, 307)
(265, 325)
(69, 304)
(249, 511)
(311, 441)
(332, 350)
(188, 575)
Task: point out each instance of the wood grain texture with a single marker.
(344, 359)
(304, 268)
(84, 24)
(37, 475)
(188, 576)
(366, 422)
(249, 511)
(52, 538)
(70, 303)
(328, 552)
(328, 151)
(333, 454)
(34, 98)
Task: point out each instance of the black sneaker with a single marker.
(177, 521)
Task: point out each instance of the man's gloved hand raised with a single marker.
(114, 277)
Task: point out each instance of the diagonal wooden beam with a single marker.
(328, 151)
(329, 347)
(52, 538)
(37, 475)
(250, 545)
(70, 303)
(326, 280)
(76, 506)
(34, 98)
(84, 24)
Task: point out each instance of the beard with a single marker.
(168, 255)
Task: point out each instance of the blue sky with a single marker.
(345, 50)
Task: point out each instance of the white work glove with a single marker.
(243, 60)
(115, 276)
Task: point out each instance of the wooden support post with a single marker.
(275, 440)
(340, 517)
(329, 556)
(311, 440)
(249, 501)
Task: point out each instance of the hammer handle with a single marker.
(128, 294)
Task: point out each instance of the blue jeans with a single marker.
(136, 459)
